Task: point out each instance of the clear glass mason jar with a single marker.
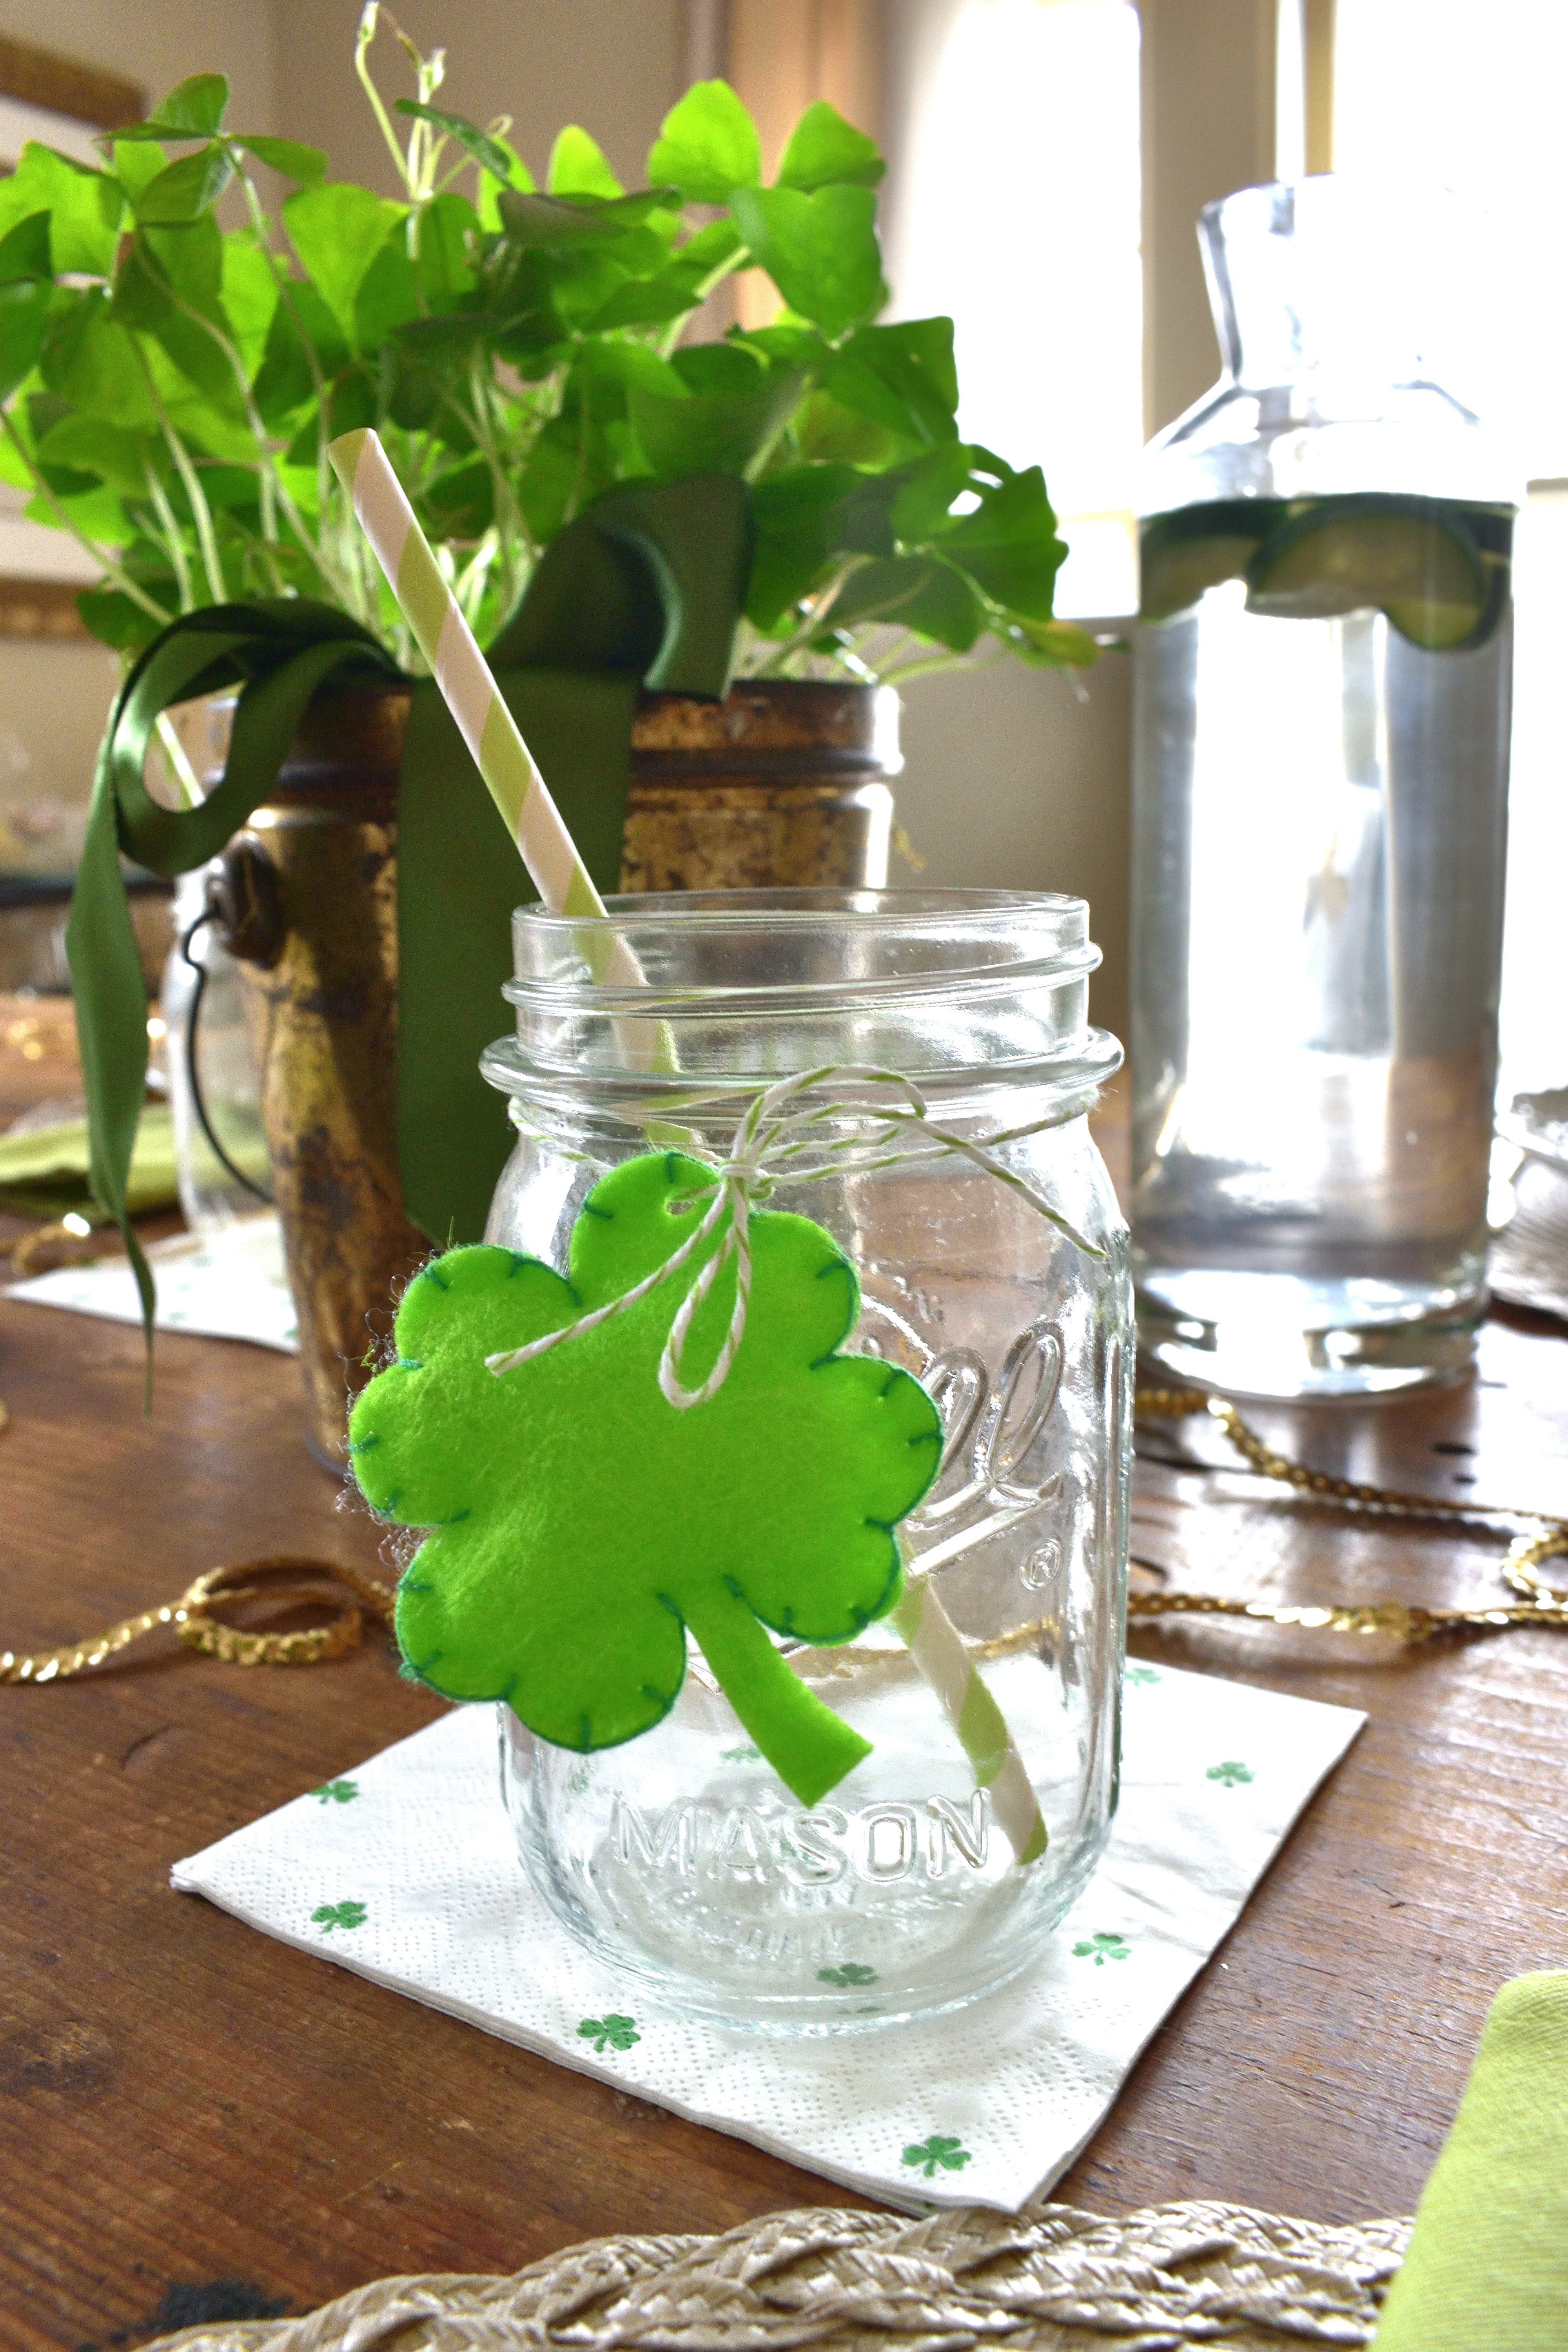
(1320, 735)
(679, 1857)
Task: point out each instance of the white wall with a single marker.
(1018, 779)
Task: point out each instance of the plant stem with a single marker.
(362, 40)
(201, 513)
(174, 752)
(173, 541)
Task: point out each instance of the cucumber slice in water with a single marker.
(1183, 555)
(1426, 574)
(1171, 578)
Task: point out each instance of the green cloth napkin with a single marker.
(44, 1170)
(1487, 2265)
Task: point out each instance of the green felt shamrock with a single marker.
(580, 1523)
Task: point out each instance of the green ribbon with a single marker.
(646, 587)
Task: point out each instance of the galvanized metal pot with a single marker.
(783, 783)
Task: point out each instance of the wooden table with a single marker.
(184, 2101)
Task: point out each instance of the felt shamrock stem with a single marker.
(809, 1747)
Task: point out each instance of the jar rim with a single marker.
(716, 910)
(1017, 938)
(954, 987)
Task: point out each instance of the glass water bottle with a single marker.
(1319, 781)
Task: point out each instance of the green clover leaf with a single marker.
(853, 1972)
(336, 1792)
(580, 1523)
(609, 2031)
(1101, 1948)
(328, 1916)
(1231, 1775)
(939, 2149)
(1134, 1674)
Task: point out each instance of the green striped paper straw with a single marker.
(471, 694)
(937, 1648)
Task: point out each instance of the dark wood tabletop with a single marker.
(183, 2101)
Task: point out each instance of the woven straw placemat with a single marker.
(1050, 2279)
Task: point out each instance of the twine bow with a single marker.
(773, 1144)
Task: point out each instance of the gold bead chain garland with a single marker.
(1542, 1604)
(290, 1579)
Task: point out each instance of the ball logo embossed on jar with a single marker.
(991, 1429)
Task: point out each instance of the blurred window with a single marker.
(1438, 90)
(1016, 213)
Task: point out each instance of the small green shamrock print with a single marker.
(853, 1972)
(1133, 1673)
(1231, 1775)
(578, 1523)
(339, 1915)
(739, 1755)
(927, 2155)
(609, 2031)
(336, 1792)
(1101, 1948)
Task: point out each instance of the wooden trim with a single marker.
(40, 608)
(1318, 50)
(87, 93)
(1208, 73)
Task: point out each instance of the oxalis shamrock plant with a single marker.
(168, 387)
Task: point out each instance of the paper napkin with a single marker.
(227, 1285)
(405, 1871)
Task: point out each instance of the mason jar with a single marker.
(934, 1870)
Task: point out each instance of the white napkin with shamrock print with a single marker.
(230, 1284)
(405, 1871)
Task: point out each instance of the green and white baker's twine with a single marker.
(777, 1142)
